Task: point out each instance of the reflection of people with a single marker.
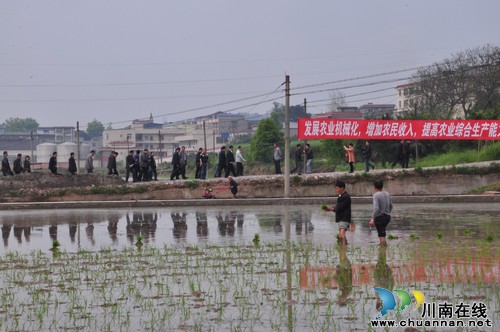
(5, 234)
(89, 230)
(382, 207)
(342, 210)
(240, 217)
(53, 232)
(18, 233)
(343, 275)
(180, 226)
(201, 223)
(382, 275)
(73, 227)
(113, 227)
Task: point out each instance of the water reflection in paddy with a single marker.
(307, 284)
(93, 229)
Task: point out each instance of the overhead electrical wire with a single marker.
(264, 96)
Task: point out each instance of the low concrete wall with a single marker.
(47, 188)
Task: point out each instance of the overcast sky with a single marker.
(115, 61)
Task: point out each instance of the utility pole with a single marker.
(159, 143)
(31, 137)
(78, 146)
(305, 141)
(287, 137)
(204, 136)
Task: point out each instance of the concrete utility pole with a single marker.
(287, 137)
(78, 146)
(159, 144)
(305, 141)
(204, 136)
(31, 137)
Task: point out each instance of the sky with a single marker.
(119, 60)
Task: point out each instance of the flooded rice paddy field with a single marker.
(206, 269)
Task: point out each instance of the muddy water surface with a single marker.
(206, 270)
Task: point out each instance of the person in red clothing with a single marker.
(350, 157)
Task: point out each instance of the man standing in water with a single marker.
(382, 207)
(342, 211)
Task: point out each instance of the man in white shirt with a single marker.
(277, 159)
(239, 161)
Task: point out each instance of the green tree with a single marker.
(21, 125)
(333, 150)
(278, 113)
(268, 133)
(95, 128)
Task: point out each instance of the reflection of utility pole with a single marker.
(288, 263)
(287, 136)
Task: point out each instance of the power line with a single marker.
(359, 78)
(353, 86)
(132, 83)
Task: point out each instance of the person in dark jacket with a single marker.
(342, 211)
(72, 164)
(367, 155)
(176, 164)
(27, 164)
(298, 160)
(130, 166)
(230, 162)
(17, 166)
(152, 166)
(233, 186)
(222, 165)
(5, 165)
(112, 163)
(309, 158)
(204, 164)
(197, 163)
(53, 163)
(405, 153)
(398, 155)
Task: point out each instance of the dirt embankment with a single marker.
(43, 187)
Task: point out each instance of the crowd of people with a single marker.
(18, 166)
(140, 165)
(227, 163)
